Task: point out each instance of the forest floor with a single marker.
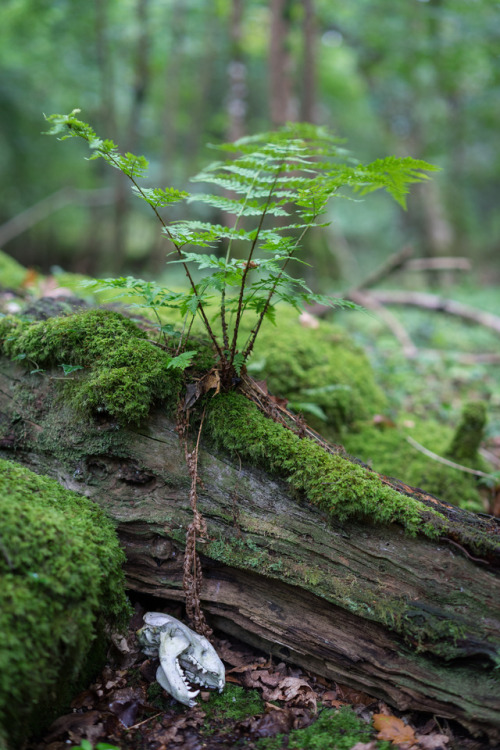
(266, 705)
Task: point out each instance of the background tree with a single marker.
(172, 77)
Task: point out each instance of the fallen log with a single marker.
(412, 620)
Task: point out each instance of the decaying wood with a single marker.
(345, 600)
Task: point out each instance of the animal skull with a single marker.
(185, 657)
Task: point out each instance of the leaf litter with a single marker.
(265, 701)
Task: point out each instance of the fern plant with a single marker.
(276, 186)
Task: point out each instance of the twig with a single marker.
(150, 718)
(456, 544)
(446, 461)
(192, 575)
(395, 326)
(441, 263)
(489, 456)
(393, 263)
(439, 304)
(49, 205)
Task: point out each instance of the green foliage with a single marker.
(469, 434)
(114, 368)
(320, 371)
(289, 175)
(332, 730)
(60, 583)
(386, 450)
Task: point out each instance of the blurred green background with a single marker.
(164, 77)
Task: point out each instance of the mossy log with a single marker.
(413, 620)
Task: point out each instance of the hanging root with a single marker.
(192, 577)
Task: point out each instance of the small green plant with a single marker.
(276, 187)
(86, 745)
(234, 704)
(332, 730)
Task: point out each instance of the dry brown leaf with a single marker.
(296, 690)
(365, 745)
(271, 679)
(356, 697)
(433, 741)
(393, 729)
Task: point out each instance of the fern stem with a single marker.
(247, 267)
(254, 333)
(228, 255)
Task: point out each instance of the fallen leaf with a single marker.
(365, 745)
(273, 723)
(381, 420)
(433, 741)
(334, 703)
(356, 697)
(294, 690)
(393, 729)
(271, 679)
(308, 321)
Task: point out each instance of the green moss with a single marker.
(60, 583)
(387, 451)
(469, 434)
(123, 373)
(319, 370)
(233, 704)
(12, 273)
(332, 730)
(330, 481)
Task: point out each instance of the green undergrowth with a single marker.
(12, 273)
(234, 704)
(332, 730)
(329, 481)
(320, 371)
(113, 368)
(61, 586)
(386, 449)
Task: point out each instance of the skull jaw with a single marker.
(175, 686)
(185, 657)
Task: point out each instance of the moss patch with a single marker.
(122, 373)
(60, 583)
(469, 434)
(332, 730)
(329, 481)
(234, 704)
(319, 370)
(12, 273)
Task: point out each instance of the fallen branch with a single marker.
(441, 263)
(395, 326)
(49, 205)
(438, 304)
(446, 461)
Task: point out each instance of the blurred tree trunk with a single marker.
(308, 101)
(172, 78)
(131, 137)
(280, 64)
(94, 248)
(237, 73)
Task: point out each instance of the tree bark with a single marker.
(412, 621)
(280, 64)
